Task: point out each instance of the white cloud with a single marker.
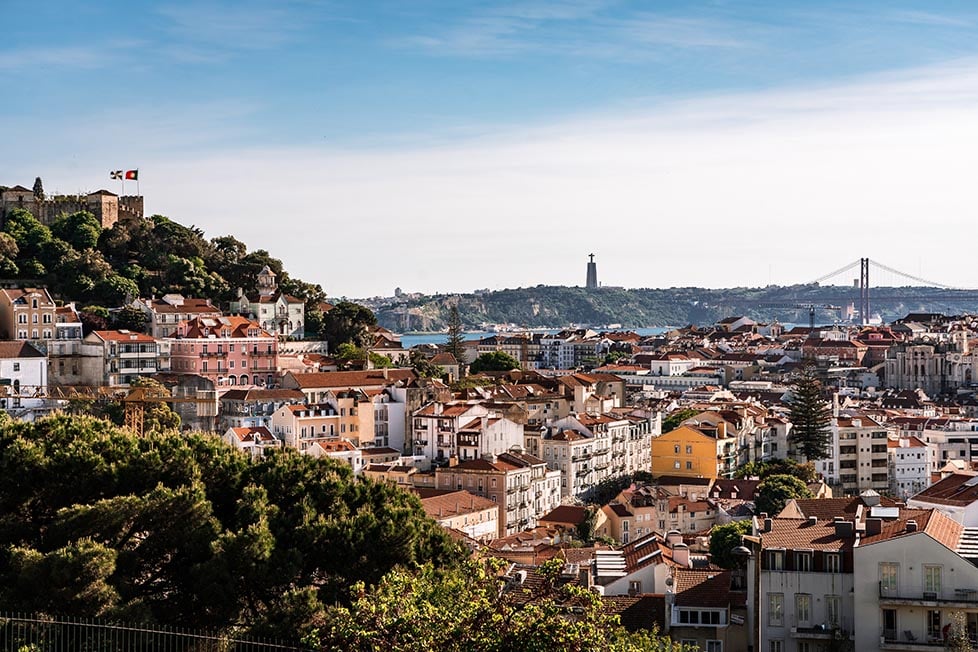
(777, 186)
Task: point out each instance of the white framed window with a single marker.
(833, 562)
(775, 609)
(932, 579)
(775, 645)
(833, 609)
(889, 572)
(714, 646)
(803, 561)
(803, 608)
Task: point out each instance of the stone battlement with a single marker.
(106, 206)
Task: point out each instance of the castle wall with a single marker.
(108, 209)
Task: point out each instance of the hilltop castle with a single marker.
(106, 206)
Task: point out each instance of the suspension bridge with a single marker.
(855, 290)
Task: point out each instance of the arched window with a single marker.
(244, 379)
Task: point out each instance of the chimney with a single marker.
(874, 526)
(680, 554)
(843, 529)
(812, 520)
(673, 537)
(768, 524)
(911, 525)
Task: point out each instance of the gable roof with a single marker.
(958, 489)
(18, 349)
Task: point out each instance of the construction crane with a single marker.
(812, 307)
(133, 399)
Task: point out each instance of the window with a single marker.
(888, 577)
(775, 609)
(776, 646)
(803, 608)
(676, 464)
(674, 448)
(775, 560)
(833, 609)
(16, 366)
(22, 319)
(714, 646)
(803, 561)
(934, 625)
(689, 466)
(634, 588)
(689, 450)
(932, 579)
(833, 562)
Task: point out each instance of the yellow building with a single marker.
(703, 452)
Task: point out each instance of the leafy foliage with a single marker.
(185, 530)
(348, 323)
(776, 490)
(810, 433)
(423, 366)
(803, 471)
(724, 538)
(494, 361)
(464, 609)
(675, 419)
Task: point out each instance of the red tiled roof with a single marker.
(798, 534)
(344, 379)
(124, 336)
(952, 490)
(702, 588)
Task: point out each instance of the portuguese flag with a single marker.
(132, 175)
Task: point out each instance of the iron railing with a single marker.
(33, 633)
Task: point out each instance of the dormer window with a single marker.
(803, 561)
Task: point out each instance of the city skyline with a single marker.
(497, 144)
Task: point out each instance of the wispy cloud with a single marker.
(86, 57)
(795, 180)
(232, 26)
(580, 29)
(928, 18)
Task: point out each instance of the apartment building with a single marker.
(909, 466)
(164, 315)
(27, 314)
(123, 356)
(701, 451)
(225, 350)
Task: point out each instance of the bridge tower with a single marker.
(864, 290)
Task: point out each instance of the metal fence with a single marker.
(30, 633)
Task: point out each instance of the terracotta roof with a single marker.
(702, 588)
(446, 359)
(639, 612)
(798, 534)
(18, 350)
(572, 514)
(203, 327)
(259, 433)
(829, 508)
(123, 336)
(952, 490)
(929, 521)
(343, 379)
(456, 503)
(189, 305)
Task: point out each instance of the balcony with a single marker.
(960, 598)
(468, 440)
(822, 632)
(213, 354)
(420, 442)
(891, 639)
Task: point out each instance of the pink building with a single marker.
(227, 350)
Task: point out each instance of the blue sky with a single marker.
(449, 146)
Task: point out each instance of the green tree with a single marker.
(803, 471)
(464, 609)
(776, 490)
(423, 366)
(38, 189)
(348, 323)
(675, 419)
(811, 420)
(585, 529)
(29, 234)
(724, 538)
(455, 340)
(494, 361)
(81, 230)
(185, 530)
(129, 318)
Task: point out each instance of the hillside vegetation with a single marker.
(556, 306)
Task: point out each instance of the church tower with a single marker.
(266, 281)
(592, 274)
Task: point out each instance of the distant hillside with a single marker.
(555, 306)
